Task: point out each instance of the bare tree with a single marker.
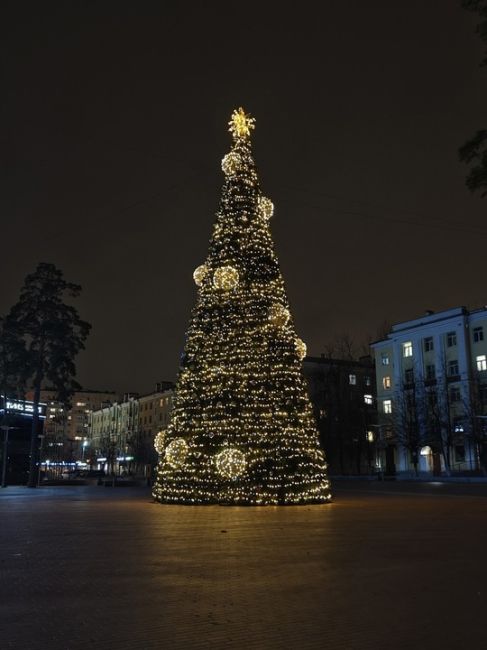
(407, 420)
(475, 419)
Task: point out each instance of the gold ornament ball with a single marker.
(199, 274)
(159, 442)
(225, 278)
(301, 349)
(231, 163)
(231, 463)
(265, 207)
(176, 452)
(279, 315)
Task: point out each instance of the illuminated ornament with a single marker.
(265, 207)
(225, 278)
(159, 442)
(301, 349)
(231, 463)
(241, 124)
(279, 315)
(231, 163)
(199, 274)
(176, 452)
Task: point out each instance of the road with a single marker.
(385, 566)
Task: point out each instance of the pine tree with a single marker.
(241, 429)
(53, 334)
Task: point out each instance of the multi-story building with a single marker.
(122, 434)
(342, 392)
(66, 427)
(431, 375)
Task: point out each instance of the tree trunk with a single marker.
(34, 443)
(445, 452)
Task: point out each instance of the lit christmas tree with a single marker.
(241, 429)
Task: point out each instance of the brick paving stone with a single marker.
(380, 567)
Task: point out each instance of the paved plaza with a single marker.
(385, 566)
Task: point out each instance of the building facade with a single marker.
(121, 434)
(66, 427)
(343, 395)
(431, 375)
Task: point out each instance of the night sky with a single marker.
(115, 123)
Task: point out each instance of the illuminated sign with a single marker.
(22, 407)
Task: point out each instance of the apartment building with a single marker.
(66, 426)
(431, 376)
(121, 434)
(343, 395)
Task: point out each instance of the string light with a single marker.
(231, 463)
(241, 429)
(265, 207)
(231, 163)
(159, 442)
(199, 274)
(279, 315)
(301, 349)
(176, 453)
(225, 278)
(241, 124)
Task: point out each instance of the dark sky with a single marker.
(113, 131)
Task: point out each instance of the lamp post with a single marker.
(5, 428)
(40, 460)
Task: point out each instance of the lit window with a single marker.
(80, 404)
(385, 359)
(451, 339)
(387, 406)
(352, 380)
(430, 371)
(367, 381)
(368, 399)
(452, 368)
(370, 436)
(428, 344)
(386, 382)
(478, 334)
(481, 362)
(407, 349)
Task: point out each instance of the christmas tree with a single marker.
(241, 429)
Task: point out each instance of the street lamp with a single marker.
(85, 444)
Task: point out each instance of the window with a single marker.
(386, 382)
(385, 359)
(352, 380)
(432, 399)
(407, 349)
(455, 394)
(409, 376)
(368, 399)
(458, 425)
(478, 334)
(367, 381)
(460, 453)
(428, 344)
(430, 371)
(451, 339)
(387, 406)
(481, 362)
(452, 368)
